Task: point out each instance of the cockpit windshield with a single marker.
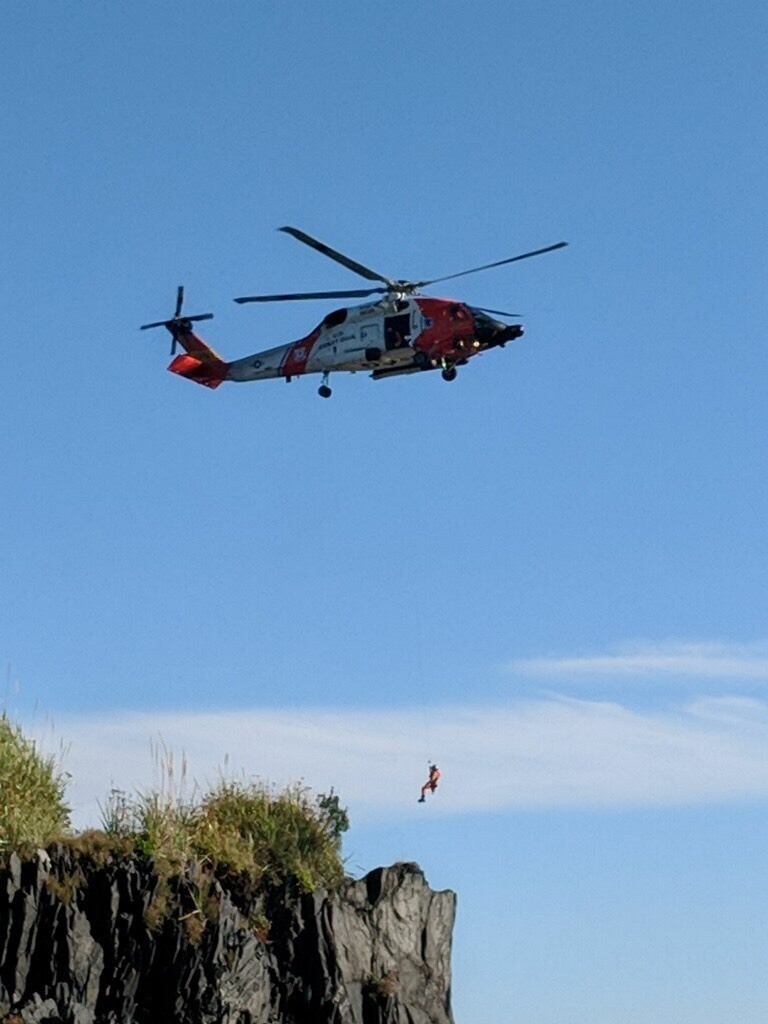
(334, 319)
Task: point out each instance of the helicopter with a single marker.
(399, 332)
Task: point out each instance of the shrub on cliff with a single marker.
(271, 836)
(32, 808)
(275, 836)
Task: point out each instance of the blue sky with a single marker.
(549, 575)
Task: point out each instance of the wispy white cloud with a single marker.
(554, 752)
(696, 661)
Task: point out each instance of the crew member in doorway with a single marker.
(431, 783)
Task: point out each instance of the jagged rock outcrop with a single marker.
(109, 941)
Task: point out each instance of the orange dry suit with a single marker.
(432, 781)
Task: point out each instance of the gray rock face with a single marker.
(107, 942)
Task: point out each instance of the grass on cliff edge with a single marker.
(32, 808)
(272, 836)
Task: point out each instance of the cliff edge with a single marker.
(110, 940)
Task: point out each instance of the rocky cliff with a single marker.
(110, 940)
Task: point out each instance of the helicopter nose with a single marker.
(490, 332)
(510, 333)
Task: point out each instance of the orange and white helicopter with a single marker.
(401, 332)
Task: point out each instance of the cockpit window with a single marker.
(334, 319)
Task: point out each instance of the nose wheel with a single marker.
(324, 391)
(449, 373)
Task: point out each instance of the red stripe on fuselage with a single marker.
(296, 357)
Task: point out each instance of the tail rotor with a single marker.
(178, 323)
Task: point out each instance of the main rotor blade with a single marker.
(345, 261)
(487, 266)
(358, 293)
(497, 312)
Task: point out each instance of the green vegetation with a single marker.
(32, 808)
(251, 834)
(273, 837)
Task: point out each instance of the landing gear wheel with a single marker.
(449, 373)
(421, 359)
(324, 391)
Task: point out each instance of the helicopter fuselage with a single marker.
(394, 335)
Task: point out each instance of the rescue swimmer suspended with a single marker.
(430, 786)
(401, 332)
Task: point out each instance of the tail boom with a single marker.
(199, 362)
